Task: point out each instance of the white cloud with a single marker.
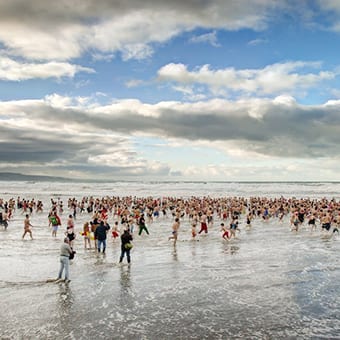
(256, 42)
(272, 127)
(66, 29)
(210, 38)
(134, 83)
(78, 134)
(102, 57)
(272, 79)
(329, 5)
(190, 93)
(59, 43)
(12, 70)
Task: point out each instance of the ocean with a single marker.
(269, 283)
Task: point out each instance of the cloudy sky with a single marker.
(245, 90)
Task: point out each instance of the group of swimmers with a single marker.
(129, 212)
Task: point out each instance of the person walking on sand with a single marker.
(65, 252)
(27, 227)
(126, 246)
(175, 228)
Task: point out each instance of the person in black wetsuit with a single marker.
(301, 216)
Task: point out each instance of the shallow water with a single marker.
(269, 283)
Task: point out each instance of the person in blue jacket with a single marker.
(100, 235)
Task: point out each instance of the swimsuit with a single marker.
(326, 226)
(226, 233)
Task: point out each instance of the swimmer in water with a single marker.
(226, 232)
(175, 228)
(27, 227)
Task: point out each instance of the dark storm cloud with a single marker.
(64, 142)
(37, 145)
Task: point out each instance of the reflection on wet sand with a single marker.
(230, 249)
(65, 298)
(125, 277)
(175, 254)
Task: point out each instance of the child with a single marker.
(115, 232)
(226, 232)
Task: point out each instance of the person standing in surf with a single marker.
(204, 226)
(70, 230)
(87, 235)
(142, 225)
(27, 227)
(100, 235)
(194, 223)
(115, 231)
(65, 252)
(55, 222)
(226, 232)
(175, 228)
(126, 246)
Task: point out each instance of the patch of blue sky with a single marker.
(180, 153)
(30, 89)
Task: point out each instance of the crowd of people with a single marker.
(134, 214)
(201, 212)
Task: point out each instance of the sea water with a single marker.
(269, 283)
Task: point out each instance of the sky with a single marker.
(218, 90)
